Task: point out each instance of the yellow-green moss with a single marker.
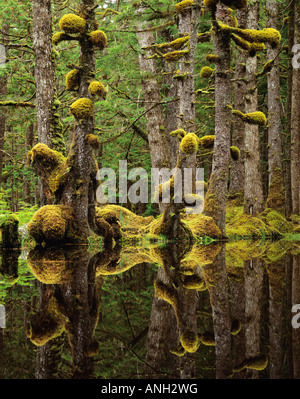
(93, 141)
(166, 293)
(206, 72)
(208, 339)
(82, 108)
(175, 55)
(202, 226)
(44, 155)
(212, 58)
(180, 351)
(235, 153)
(166, 188)
(181, 7)
(258, 363)
(194, 282)
(97, 88)
(235, 4)
(252, 118)
(72, 23)
(189, 144)
(58, 37)
(175, 44)
(207, 141)
(276, 220)
(236, 327)
(252, 48)
(72, 79)
(267, 35)
(99, 39)
(190, 341)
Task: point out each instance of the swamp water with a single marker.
(134, 312)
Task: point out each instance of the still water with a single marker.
(205, 312)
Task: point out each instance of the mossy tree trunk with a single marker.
(296, 331)
(276, 196)
(295, 121)
(237, 170)
(253, 203)
(216, 197)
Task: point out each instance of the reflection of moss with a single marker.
(194, 282)
(166, 293)
(71, 23)
(190, 341)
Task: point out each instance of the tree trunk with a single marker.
(29, 140)
(295, 121)
(216, 197)
(276, 196)
(253, 203)
(237, 170)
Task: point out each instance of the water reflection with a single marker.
(208, 311)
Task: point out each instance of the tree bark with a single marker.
(276, 197)
(216, 197)
(253, 203)
(295, 121)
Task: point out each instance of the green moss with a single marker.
(276, 220)
(99, 39)
(258, 363)
(190, 341)
(207, 141)
(175, 44)
(206, 72)
(236, 327)
(252, 118)
(208, 338)
(212, 58)
(72, 23)
(58, 37)
(194, 282)
(189, 144)
(276, 195)
(183, 5)
(168, 294)
(98, 88)
(175, 55)
(73, 79)
(54, 224)
(180, 351)
(235, 4)
(202, 226)
(82, 108)
(252, 48)
(235, 153)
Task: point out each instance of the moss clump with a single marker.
(235, 153)
(256, 363)
(58, 37)
(99, 39)
(212, 58)
(180, 351)
(9, 231)
(174, 56)
(252, 118)
(189, 144)
(236, 327)
(93, 141)
(274, 219)
(98, 88)
(235, 4)
(207, 141)
(202, 226)
(183, 5)
(82, 108)
(179, 133)
(71, 23)
(73, 79)
(208, 339)
(166, 293)
(190, 341)
(175, 44)
(165, 189)
(206, 72)
(54, 224)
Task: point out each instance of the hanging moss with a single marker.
(179, 133)
(99, 39)
(207, 141)
(180, 351)
(98, 88)
(267, 35)
(206, 72)
(194, 282)
(190, 341)
(166, 293)
(189, 144)
(175, 44)
(252, 48)
(252, 118)
(73, 79)
(235, 153)
(175, 55)
(183, 5)
(82, 108)
(72, 23)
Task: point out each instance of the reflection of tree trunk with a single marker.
(48, 358)
(296, 331)
(2, 357)
(253, 295)
(216, 281)
(276, 273)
